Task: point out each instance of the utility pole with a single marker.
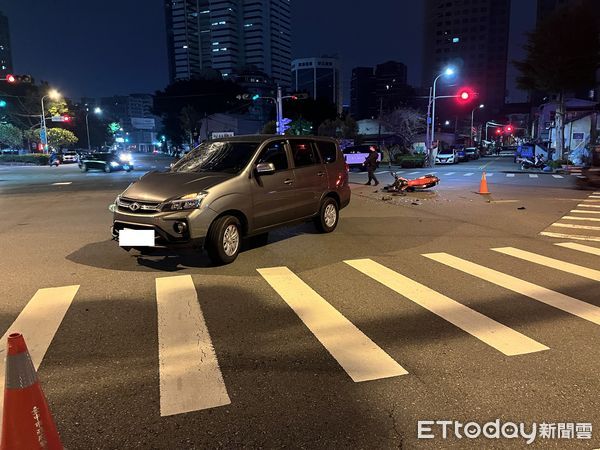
(279, 111)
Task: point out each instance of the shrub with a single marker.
(33, 158)
(409, 161)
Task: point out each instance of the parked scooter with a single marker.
(538, 163)
(403, 185)
(54, 160)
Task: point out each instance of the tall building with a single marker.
(227, 35)
(6, 66)
(471, 35)
(319, 77)
(363, 93)
(547, 7)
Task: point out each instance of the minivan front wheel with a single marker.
(224, 240)
(328, 216)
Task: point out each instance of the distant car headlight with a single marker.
(125, 157)
(189, 201)
(114, 164)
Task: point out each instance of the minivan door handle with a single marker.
(288, 181)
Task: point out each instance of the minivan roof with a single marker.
(264, 137)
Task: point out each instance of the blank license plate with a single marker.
(136, 238)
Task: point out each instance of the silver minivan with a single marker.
(231, 188)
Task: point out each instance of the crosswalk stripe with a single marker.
(579, 211)
(38, 323)
(591, 219)
(489, 175)
(539, 293)
(359, 356)
(591, 200)
(557, 176)
(578, 227)
(468, 174)
(553, 263)
(594, 196)
(495, 334)
(580, 247)
(583, 205)
(190, 377)
(533, 175)
(510, 175)
(576, 237)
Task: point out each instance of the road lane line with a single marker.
(383, 171)
(583, 205)
(358, 355)
(549, 297)
(489, 175)
(62, 183)
(449, 173)
(580, 247)
(557, 176)
(495, 334)
(594, 196)
(413, 173)
(468, 174)
(591, 200)
(576, 237)
(190, 378)
(38, 322)
(533, 175)
(578, 227)
(591, 219)
(579, 211)
(553, 263)
(510, 175)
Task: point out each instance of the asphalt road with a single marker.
(360, 338)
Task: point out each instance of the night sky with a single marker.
(102, 48)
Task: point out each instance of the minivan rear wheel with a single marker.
(224, 240)
(328, 216)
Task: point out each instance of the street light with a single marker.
(54, 95)
(97, 110)
(447, 122)
(449, 71)
(481, 106)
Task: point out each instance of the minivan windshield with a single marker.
(229, 157)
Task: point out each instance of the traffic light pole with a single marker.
(45, 130)
(279, 111)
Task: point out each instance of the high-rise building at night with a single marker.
(229, 35)
(471, 35)
(5, 49)
(363, 93)
(319, 77)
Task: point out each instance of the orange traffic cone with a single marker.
(26, 422)
(483, 189)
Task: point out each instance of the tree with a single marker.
(563, 54)
(10, 135)
(315, 111)
(59, 138)
(406, 123)
(190, 122)
(340, 128)
(270, 128)
(299, 127)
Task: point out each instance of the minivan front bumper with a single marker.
(171, 229)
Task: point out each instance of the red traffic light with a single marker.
(509, 129)
(465, 95)
(498, 131)
(10, 78)
(293, 97)
(66, 118)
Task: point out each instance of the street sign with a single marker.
(43, 135)
(221, 134)
(58, 118)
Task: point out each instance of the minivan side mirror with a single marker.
(265, 168)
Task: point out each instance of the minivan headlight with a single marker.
(189, 201)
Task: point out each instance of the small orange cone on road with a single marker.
(483, 188)
(26, 423)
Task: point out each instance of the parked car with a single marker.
(70, 157)
(461, 154)
(106, 161)
(446, 156)
(355, 156)
(472, 153)
(235, 187)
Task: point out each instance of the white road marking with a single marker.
(383, 171)
(539, 293)
(358, 355)
(38, 323)
(583, 205)
(580, 247)
(533, 175)
(489, 175)
(449, 173)
(190, 378)
(576, 237)
(557, 176)
(495, 334)
(63, 183)
(591, 219)
(578, 227)
(553, 263)
(414, 173)
(579, 211)
(592, 200)
(510, 175)
(594, 196)
(468, 174)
